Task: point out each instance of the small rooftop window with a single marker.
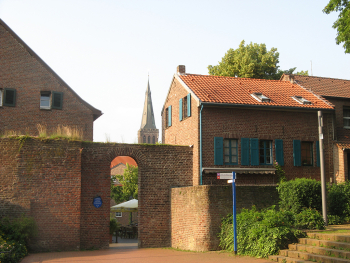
(260, 97)
(302, 100)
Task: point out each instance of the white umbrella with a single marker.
(128, 206)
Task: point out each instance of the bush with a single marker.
(299, 193)
(309, 218)
(260, 234)
(339, 201)
(14, 237)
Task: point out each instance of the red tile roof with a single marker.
(324, 86)
(231, 90)
(124, 160)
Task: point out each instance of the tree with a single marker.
(250, 61)
(129, 182)
(342, 24)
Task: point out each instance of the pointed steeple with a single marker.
(148, 133)
(148, 116)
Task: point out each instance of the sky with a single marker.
(106, 49)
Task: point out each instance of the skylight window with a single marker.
(302, 100)
(260, 97)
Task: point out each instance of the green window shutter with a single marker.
(244, 151)
(297, 152)
(57, 100)
(254, 151)
(188, 104)
(218, 151)
(318, 153)
(180, 109)
(169, 116)
(279, 152)
(10, 97)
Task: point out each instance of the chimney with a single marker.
(181, 69)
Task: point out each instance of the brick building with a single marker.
(336, 91)
(244, 125)
(31, 93)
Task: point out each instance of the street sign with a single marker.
(226, 176)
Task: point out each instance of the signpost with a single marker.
(232, 177)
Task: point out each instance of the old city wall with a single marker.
(55, 181)
(196, 212)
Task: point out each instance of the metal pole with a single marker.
(323, 179)
(234, 211)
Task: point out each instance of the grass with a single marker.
(334, 231)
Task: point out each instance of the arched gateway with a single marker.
(56, 181)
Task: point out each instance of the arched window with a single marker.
(144, 138)
(154, 140)
(149, 139)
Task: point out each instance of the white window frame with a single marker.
(302, 100)
(1, 96)
(346, 118)
(44, 94)
(118, 214)
(260, 97)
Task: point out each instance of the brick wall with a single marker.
(185, 132)
(42, 179)
(55, 181)
(21, 70)
(196, 212)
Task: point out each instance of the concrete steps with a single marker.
(317, 247)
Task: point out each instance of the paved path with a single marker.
(129, 253)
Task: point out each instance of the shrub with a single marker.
(14, 251)
(309, 218)
(260, 234)
(299, 193)
(335, 220)
(339, 201)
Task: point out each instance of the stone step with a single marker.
(312, 257)
(286, 259)
(325, 243)
(331, 252)
(329, 237)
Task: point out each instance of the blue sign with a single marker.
(97, 202)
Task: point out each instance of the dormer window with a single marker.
(260, 97)
(302, 100)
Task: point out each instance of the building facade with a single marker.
(32, 94)
(245, 125)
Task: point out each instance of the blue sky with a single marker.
(105, 49)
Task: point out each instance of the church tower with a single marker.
(148, 133)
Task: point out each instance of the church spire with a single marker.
(148, 132)
(148, 116)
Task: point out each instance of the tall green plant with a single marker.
(298, 193)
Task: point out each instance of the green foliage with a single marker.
(342, 24)
(339, 202)
(250, 61)
(14, 237)
(260, 234)
(129, 188)
(335, 220)
(281, 175)
(113, 226)
(309, 218)
(299, 193)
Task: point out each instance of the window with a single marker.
(149, 139)
(168, 117)
(118, 214)
(346, 117)
(185, 107)
(303, 153)
(51, 100)
(306, 154)
(45, 100)
(8, 97)
(154, 140)
(265, 152)
(231, 151)
(260, 97)
(144, 138)
(301, 100)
